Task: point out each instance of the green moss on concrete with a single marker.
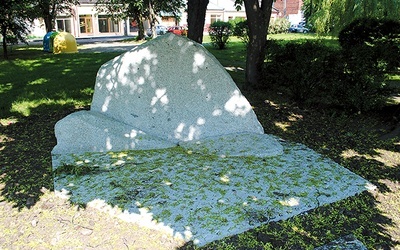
(207, 193)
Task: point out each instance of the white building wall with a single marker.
(83, 14)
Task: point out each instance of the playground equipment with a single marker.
(59, 42)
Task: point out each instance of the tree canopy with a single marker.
(14, 15)
(49, 9)
(330, 16)
(140, 10)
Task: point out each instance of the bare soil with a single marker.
(53, 223)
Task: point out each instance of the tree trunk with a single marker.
(258, 18)
(48, 23)
(152, 18)
(196, 18)
(46, 15)
(4, 32)
(141, 28)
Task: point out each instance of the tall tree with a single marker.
(139, 10)
(331, 16)
(258, 13)
(49, 9)
(14, 21)
(196, 10)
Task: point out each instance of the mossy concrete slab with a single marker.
(205, 197)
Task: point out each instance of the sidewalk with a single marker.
(106, 46)
(100, 44)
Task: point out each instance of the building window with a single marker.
(107, 24)
(86, 23)
(64, 25)
(215, 18)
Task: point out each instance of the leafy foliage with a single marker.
(380, 36)
(140, 10)
(313, 74)
(241, 30)
(219, 33)
(279, 25)
(331, 16)
(14, 17)
(49, 9)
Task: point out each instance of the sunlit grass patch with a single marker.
(386, 157)
(38, 79)
(24, 107)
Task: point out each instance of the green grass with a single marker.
(38, 80)
(37, 89)
(327, 40)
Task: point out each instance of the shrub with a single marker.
(369, 31)
(382, 36)
(241, 30)
(279, 25)
(219, 33)
(297, 69)
(314, 74)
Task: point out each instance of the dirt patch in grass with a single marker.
(388, 204)
(53, 223)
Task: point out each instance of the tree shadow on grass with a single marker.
(37, 89)
(26, 160)
(353, 141)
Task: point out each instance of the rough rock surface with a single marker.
(262, 145)
(170, 89)
(86, 131)
(173, 88)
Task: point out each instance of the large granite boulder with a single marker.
(163, 92)
(173, 88)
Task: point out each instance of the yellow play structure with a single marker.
(64, 42)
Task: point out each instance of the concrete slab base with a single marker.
(200, 197)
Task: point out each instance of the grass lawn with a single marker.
(37, 89)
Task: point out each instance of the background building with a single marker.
(86, 21)
(290, 9)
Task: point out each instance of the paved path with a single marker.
(100, 44)
(106, 47)
(105, 44)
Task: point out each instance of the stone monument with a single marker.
(166, 91)
(171, 140)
